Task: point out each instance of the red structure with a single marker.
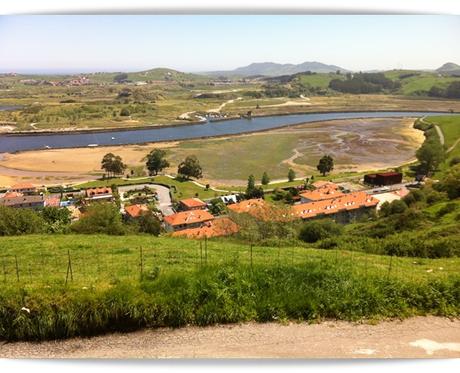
(385, 178)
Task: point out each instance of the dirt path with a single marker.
(422, 337)
(438, 130)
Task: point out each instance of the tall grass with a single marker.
(221, 294)
(139, 281)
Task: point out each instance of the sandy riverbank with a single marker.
(66, 165)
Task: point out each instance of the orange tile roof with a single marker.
(23, 186)
(260, 209)
(12, 194)
(188, 217)
(323, 183)
(192, 202)
(136, 210)
(52, 201)
(98, 191)
(247, 206)
(345, 202)
(215, 228)
(325, 191)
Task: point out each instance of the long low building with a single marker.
(342, 208)
(35, 201)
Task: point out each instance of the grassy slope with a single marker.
(179, 286)
(419, 83)
(450, 127)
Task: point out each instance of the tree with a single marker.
(430, 155)
(325, 165)
(149, 223)
(125, 112)
(251, 190)
(120, 77)
(190, 167)
(451, 183)
(217, 207)
(291, 175)
(100, 218)
(251, 184)
(112, 164)
(313, 231)
(265, 179)
(156, 161)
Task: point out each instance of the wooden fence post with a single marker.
(4, 269)
(17, 267)
(201, 253)
(141, 262)
(69, 268)
(206, 249)
(389, 266)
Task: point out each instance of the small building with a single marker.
(99, 194)
(191, 204)
(324, 190)
(35, 201)
(384, 178)
(135, 211)
(229, 199)
(25, 189)
(187, 219)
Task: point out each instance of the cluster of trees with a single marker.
(113, 165)
(155, 162)
(98, 218)
(364, 83)
(431, 154)
(451, 91)
(27, 221)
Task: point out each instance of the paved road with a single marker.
(422, 337)
(164, 197)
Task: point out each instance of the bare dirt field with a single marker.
(418, 337)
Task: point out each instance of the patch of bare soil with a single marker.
(418, 337)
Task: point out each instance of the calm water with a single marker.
(13, 143)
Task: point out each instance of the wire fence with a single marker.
(109, 265)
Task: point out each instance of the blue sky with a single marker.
(203, 43)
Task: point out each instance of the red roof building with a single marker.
(24, 188)
(187, 219)
(215, 228)
(192, 204)
(135, 211)
(348, 205)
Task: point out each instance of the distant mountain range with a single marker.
(277, 69)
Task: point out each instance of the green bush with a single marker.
(100, 218)
(17, 221)
(313, 231)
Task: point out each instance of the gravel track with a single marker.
(421, 337)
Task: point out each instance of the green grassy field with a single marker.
(420, 83)
(102, 260)
(318, 80)
(114, 285)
